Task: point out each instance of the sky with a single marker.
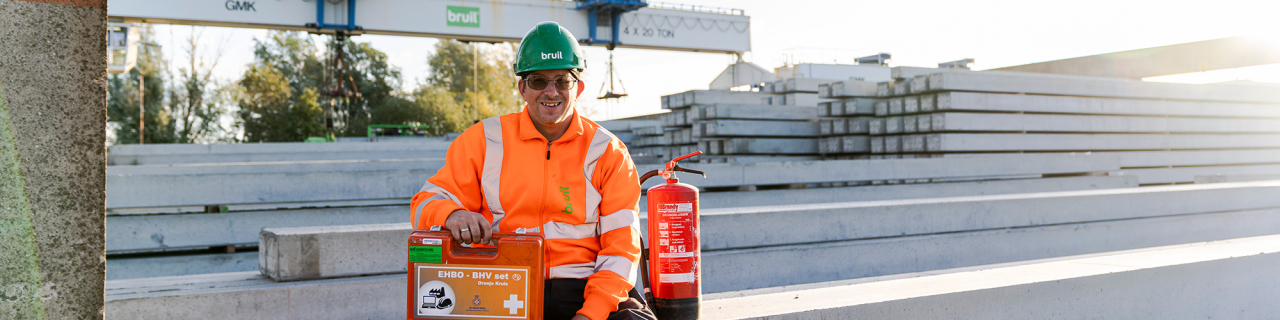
(995, 33)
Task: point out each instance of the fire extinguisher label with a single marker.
(678, 243)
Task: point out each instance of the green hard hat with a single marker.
(548, 46)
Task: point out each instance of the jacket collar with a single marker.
(527, 131)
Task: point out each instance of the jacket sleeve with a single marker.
(616, 264)
(455, 186)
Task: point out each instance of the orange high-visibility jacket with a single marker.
(580, 191)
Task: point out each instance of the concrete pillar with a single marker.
(52, 159)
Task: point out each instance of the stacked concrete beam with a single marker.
(845, 127)
(725, 118)
(647, 141)
(686, 108)
(625, 130)
(939, 112)
(238, 227)
(936, 234)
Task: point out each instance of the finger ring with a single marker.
(464, 229)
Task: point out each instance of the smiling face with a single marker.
(551, 109)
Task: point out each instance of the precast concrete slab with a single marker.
(177, 265)
(728, 228)
(322, 252)
(772, 173)
(693, 97)
(855, 144)
(730, 270)
(770, 146)
(967, 142)
(121, 171)
(999, 102)
(627, 125)
(302, 253)
(1029, 83)
(809, 85)
(202, 230)
(1220, 178)
(1134, 159)
(250, 295)
(852, 88)
(142, 191)
(759, 112)
(1219, 279)
(283, 151)
(995, 122)
(857, 106)
(912, 72)
(797, 99)
(713, 200)
(759, 128)
(1188, 174)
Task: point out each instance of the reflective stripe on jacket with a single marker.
(580, 191)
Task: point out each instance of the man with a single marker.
(551, 171)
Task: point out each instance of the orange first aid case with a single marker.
(449, 281)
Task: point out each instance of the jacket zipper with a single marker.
(542, 209)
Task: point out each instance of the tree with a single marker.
(467, 83)
(365, 70)
(377, 80)
(269, 111)
(122, 96)
(479, 78)
(198, 104)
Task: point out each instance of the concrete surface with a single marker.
(381, 296)
(307, 253)
(1188, 174)
(1221, 279)
(743, 269)
(1220, 178)
(118, 172)
(740, 235)
(177, 265)
(283, 151)
(727, 228)
(965, 142)
(142, 191)
(202, 230)
(1033, 83)
(992, 166)
(1132, 159)
(731, 111)
(250, 295)
(1000, 102)
(851, 88)
(52, 128)
(693, 97)
(766, 146)
(994, 122)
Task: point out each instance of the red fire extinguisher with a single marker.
(673, 274)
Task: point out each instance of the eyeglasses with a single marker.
(537, 82)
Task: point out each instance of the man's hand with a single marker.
(469, 227)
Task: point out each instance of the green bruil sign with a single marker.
(462, 16)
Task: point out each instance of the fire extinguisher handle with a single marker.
(678, 168)
(647, 175)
